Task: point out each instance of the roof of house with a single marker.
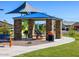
(1, 24)
(68, 22)
(75, 24)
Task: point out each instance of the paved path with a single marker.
(15, 50)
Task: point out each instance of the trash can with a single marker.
(50, 36)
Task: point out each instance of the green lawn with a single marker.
(69, 50)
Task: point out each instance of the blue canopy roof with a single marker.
(36, 15)
(17, 10)
(24, 9)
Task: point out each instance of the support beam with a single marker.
(58, 29)
(17, 29)
(30, 29)
(48, 26)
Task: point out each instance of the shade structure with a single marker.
(29, 8)
(24, 8)
(33, 14)
(17, 9)
(36, 15)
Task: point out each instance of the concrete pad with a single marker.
(16, 50)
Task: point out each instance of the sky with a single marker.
(67, 10)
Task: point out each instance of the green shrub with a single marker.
(71, 32)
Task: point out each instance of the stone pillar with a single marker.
(58, 29)
(48, 26)
(17, 29)
(53, 27)
(30, 27)
(33, 31)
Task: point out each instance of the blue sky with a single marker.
(68, 11)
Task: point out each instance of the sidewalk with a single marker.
(16, 50)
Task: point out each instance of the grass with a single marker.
(66, 50)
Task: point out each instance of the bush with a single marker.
(71, 32)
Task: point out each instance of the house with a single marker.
(76, 26)
(9, 25)
(66, 25)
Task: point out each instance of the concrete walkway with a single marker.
(16, 50)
